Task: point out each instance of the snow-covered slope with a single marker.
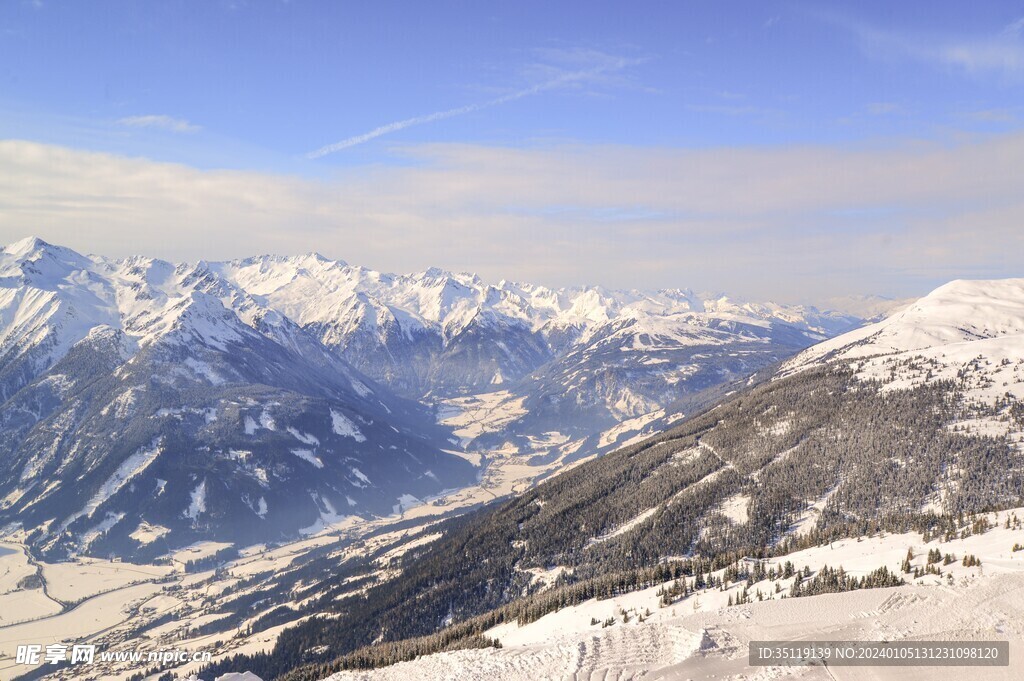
(138, 392)
(951, 316)
(969, 333)
(702, 635)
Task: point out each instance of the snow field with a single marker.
(700, 636)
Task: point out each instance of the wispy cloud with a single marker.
(160, 122)
(1014, 28)
(559, 79)
(1000, 56)
(1000, 51)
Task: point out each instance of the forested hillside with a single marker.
(816, 455)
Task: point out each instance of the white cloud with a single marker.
(1014, 28)
(160, 122)
(761, 222)
(1001, 56)
(999, 52)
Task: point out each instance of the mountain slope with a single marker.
(891, 427)
(956, 319)
(707, 632)
(141, 394)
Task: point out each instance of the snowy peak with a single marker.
(23, 247)
(444, 334)
(33, 248)
(449, 302)
(42, 265)
(198, 317)
(960, 312)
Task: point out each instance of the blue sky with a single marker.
(568, 142)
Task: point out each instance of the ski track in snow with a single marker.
(700, 637)
(614, 653)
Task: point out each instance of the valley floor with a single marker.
(98, 601)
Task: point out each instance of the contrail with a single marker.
(563, 79)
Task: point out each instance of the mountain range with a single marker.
(559, 367)
(148, 404)
(909, 424)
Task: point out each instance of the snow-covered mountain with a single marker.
(885, 439)
(557, 367)
(446, 334)
(967, 332)
(429, 332)
(912, 423)
(986, 316)
(147, 404)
